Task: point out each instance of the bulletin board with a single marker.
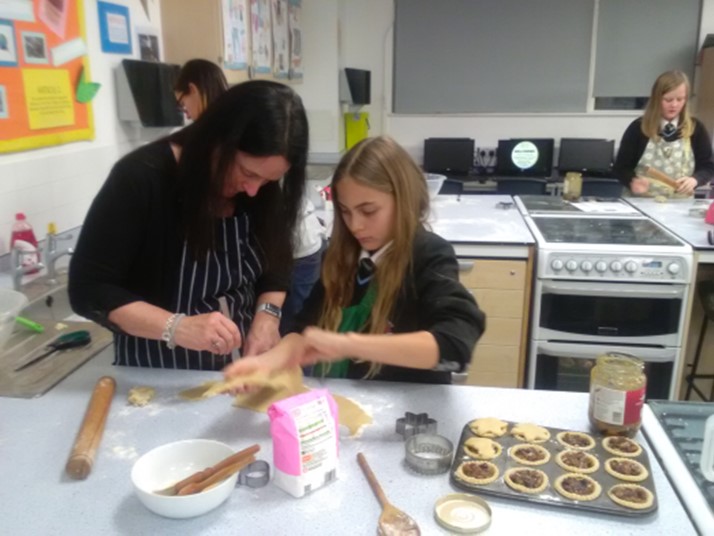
(43, 66)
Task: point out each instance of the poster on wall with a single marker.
(261, 37)
(42, 61)
(295, 31)
(281, 38)
(148, 38)
(235, 34)
(114, 28)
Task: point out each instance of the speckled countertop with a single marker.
(36, 437)
(674, 215)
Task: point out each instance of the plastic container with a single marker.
(23, 238)
(11, 303)
(434, 182)
(617, 393)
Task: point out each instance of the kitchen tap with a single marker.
(52, 254)
(19, 269)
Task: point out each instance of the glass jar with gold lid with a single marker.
(617, 393)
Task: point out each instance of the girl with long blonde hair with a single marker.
(666, 138)
(389, 305)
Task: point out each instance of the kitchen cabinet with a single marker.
(502, 290)
(195, 30)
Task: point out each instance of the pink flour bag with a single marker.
(304, 429)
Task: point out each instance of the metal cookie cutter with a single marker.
(255, 475)
(415, 423)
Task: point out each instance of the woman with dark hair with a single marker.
(190, 221)
(199, 83)
(666, 138)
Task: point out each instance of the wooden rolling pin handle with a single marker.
(656, 174)
(216, 477)
(90, 433)
(203, 475)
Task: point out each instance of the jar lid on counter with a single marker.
(462, 513)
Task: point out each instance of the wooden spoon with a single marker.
(392, 521)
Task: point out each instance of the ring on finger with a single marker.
(215, 343)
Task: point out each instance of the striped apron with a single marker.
(231, 270)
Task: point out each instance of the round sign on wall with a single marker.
(524, 155)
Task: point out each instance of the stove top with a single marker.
(595, 206)
(603, 231)
(684, 424)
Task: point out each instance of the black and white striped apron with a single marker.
(231, 270)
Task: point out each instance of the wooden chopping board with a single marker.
(42, 376)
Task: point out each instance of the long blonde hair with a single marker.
(666, 82)
(382, 164)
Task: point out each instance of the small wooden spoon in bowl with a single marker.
(392, 521)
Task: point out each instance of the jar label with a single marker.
(617, 407)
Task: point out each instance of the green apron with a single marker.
(354, 318)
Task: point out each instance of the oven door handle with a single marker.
(581, 351)
(617, 290)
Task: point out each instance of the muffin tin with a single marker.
(550, 496)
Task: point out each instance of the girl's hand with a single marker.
(287, 354)
(211, 332)
(686, 185)
(639, 185)
(323, 345)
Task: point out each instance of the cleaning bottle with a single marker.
(23, 238)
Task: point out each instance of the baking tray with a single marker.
(498, 488)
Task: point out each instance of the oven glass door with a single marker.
(587, 311)
(566, 367)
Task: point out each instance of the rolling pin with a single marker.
(657, 175)
(81, 460)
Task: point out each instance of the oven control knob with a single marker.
(673, 268)
(615, 266)
(571, 265)
(586, 266)
(631, 266)
(601, 266)
(556, 265)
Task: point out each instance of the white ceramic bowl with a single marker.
(11, 303)
(165, 465)
(434, 182)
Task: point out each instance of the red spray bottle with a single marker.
(24, 239)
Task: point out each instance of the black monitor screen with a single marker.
(359, 82)
(526, 157)
(587, 155)
(452, 156)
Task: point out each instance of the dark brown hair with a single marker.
(206, 76)
(261, 118)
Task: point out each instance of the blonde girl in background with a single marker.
(666, 138)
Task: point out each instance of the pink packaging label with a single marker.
(304, 429)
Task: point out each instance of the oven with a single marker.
(609, 281)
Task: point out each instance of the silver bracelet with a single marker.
(170, 330)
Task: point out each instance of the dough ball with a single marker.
(140, 396)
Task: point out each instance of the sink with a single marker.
(49, 306)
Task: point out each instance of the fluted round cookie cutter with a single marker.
(254, 475)
(429, 454)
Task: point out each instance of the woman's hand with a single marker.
(639, 185)
(263, 335)
(212, 332)
(686, 185)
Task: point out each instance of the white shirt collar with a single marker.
(364, 254)
(663, 122)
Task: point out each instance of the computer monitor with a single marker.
(525, 157)
(450, 156)
(590, 156)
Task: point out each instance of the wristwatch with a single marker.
(271, 309)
